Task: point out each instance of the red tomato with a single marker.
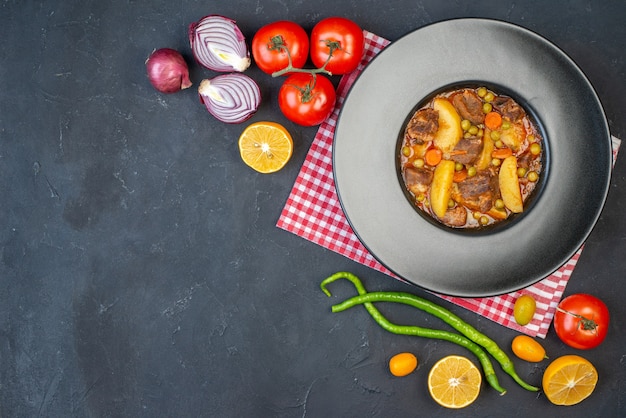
(307, 99)
(346, 39)
(581, 321)
(271, 43)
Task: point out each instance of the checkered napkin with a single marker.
(313, 212)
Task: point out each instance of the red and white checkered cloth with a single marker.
(313, 212)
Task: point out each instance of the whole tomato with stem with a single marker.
(337, 45)
(581, 321)
(307, 99)
(279, 45)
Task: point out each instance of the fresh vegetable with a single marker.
(280, 45)
(218, 44)
(454, 382)
(528, 349)
(569, 380)
(524, 309)
(493, 120)
(265, 146)
(402, 364)
(450, 318)
(441, 187)
(307, 99)
(509, 185)
(337, 44)
(168, 71)
(231, 98)
(581, 321)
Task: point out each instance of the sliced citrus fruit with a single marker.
(569, 379)
(265, 146)
(454, 382)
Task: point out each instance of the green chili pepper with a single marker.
(483, 358)
(432, 308)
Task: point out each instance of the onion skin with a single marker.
(218, 44)
(167, 71)
(230, 98)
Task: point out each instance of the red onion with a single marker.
(168, 71)
(231, 98)
(218, 44)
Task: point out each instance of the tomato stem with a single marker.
(586, 323)
(278, 43)
(307, 91)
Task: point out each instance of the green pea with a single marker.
(473, 130)
(506, 124)
(483, 220)
(489, 97)
(458, 167)
(495, 135)
(498, 204)
(535, 148)
(496, 162)
(487, 107)
(406, 151)
(471, 172)
(532, 176)
(451, 203)
(465, 124)
(521, 172)
(482, 91)
(418, 163)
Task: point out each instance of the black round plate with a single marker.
(539, 76)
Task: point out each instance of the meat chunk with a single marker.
(456, 216)
(467, 150)
(417, 180)
(423, 126)
(478, 192)
(469, 106)
(508, 108)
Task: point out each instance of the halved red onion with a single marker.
(218, 44)
(231, 98)
(167, 70)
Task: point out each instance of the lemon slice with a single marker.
(265, 146)
(454, 382)
(569, 379)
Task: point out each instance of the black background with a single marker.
(141, 271)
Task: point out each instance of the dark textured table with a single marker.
(141, 271)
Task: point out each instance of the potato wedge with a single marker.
(513, 136)
(441, 187)
(509, 185)
(484, 159)
(450, 131)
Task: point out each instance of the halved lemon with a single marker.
(569, 379)
(265, 146)
(454, 382)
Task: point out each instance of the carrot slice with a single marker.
(459, 176)
(493, 120)
(433, 156)
(501, 153)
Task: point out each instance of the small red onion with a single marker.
(231, 98)
(218, 44)
(168, 71)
